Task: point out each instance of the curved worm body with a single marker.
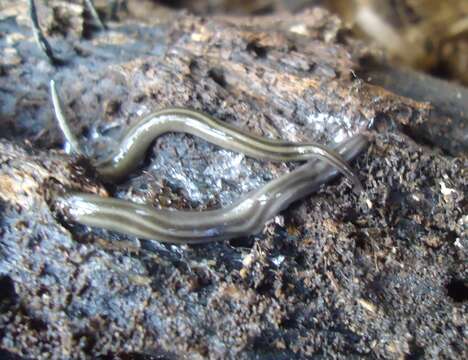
(244, 217)
(139, 137)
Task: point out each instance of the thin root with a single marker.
(94, 14)
(39, 36)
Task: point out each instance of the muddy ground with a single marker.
(338, 275)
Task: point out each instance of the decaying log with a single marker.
(447, 124)
(380, 274)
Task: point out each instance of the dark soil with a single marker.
(379, 275)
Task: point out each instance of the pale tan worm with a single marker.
(244, 217)
(139, 137)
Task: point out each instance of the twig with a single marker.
(115, 7)
(94, 14)
(39, 36)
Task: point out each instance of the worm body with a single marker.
(244, 217)
(139, 137)
(137, 140)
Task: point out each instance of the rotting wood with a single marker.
(280, 76)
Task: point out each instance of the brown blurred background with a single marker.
(429, 35)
